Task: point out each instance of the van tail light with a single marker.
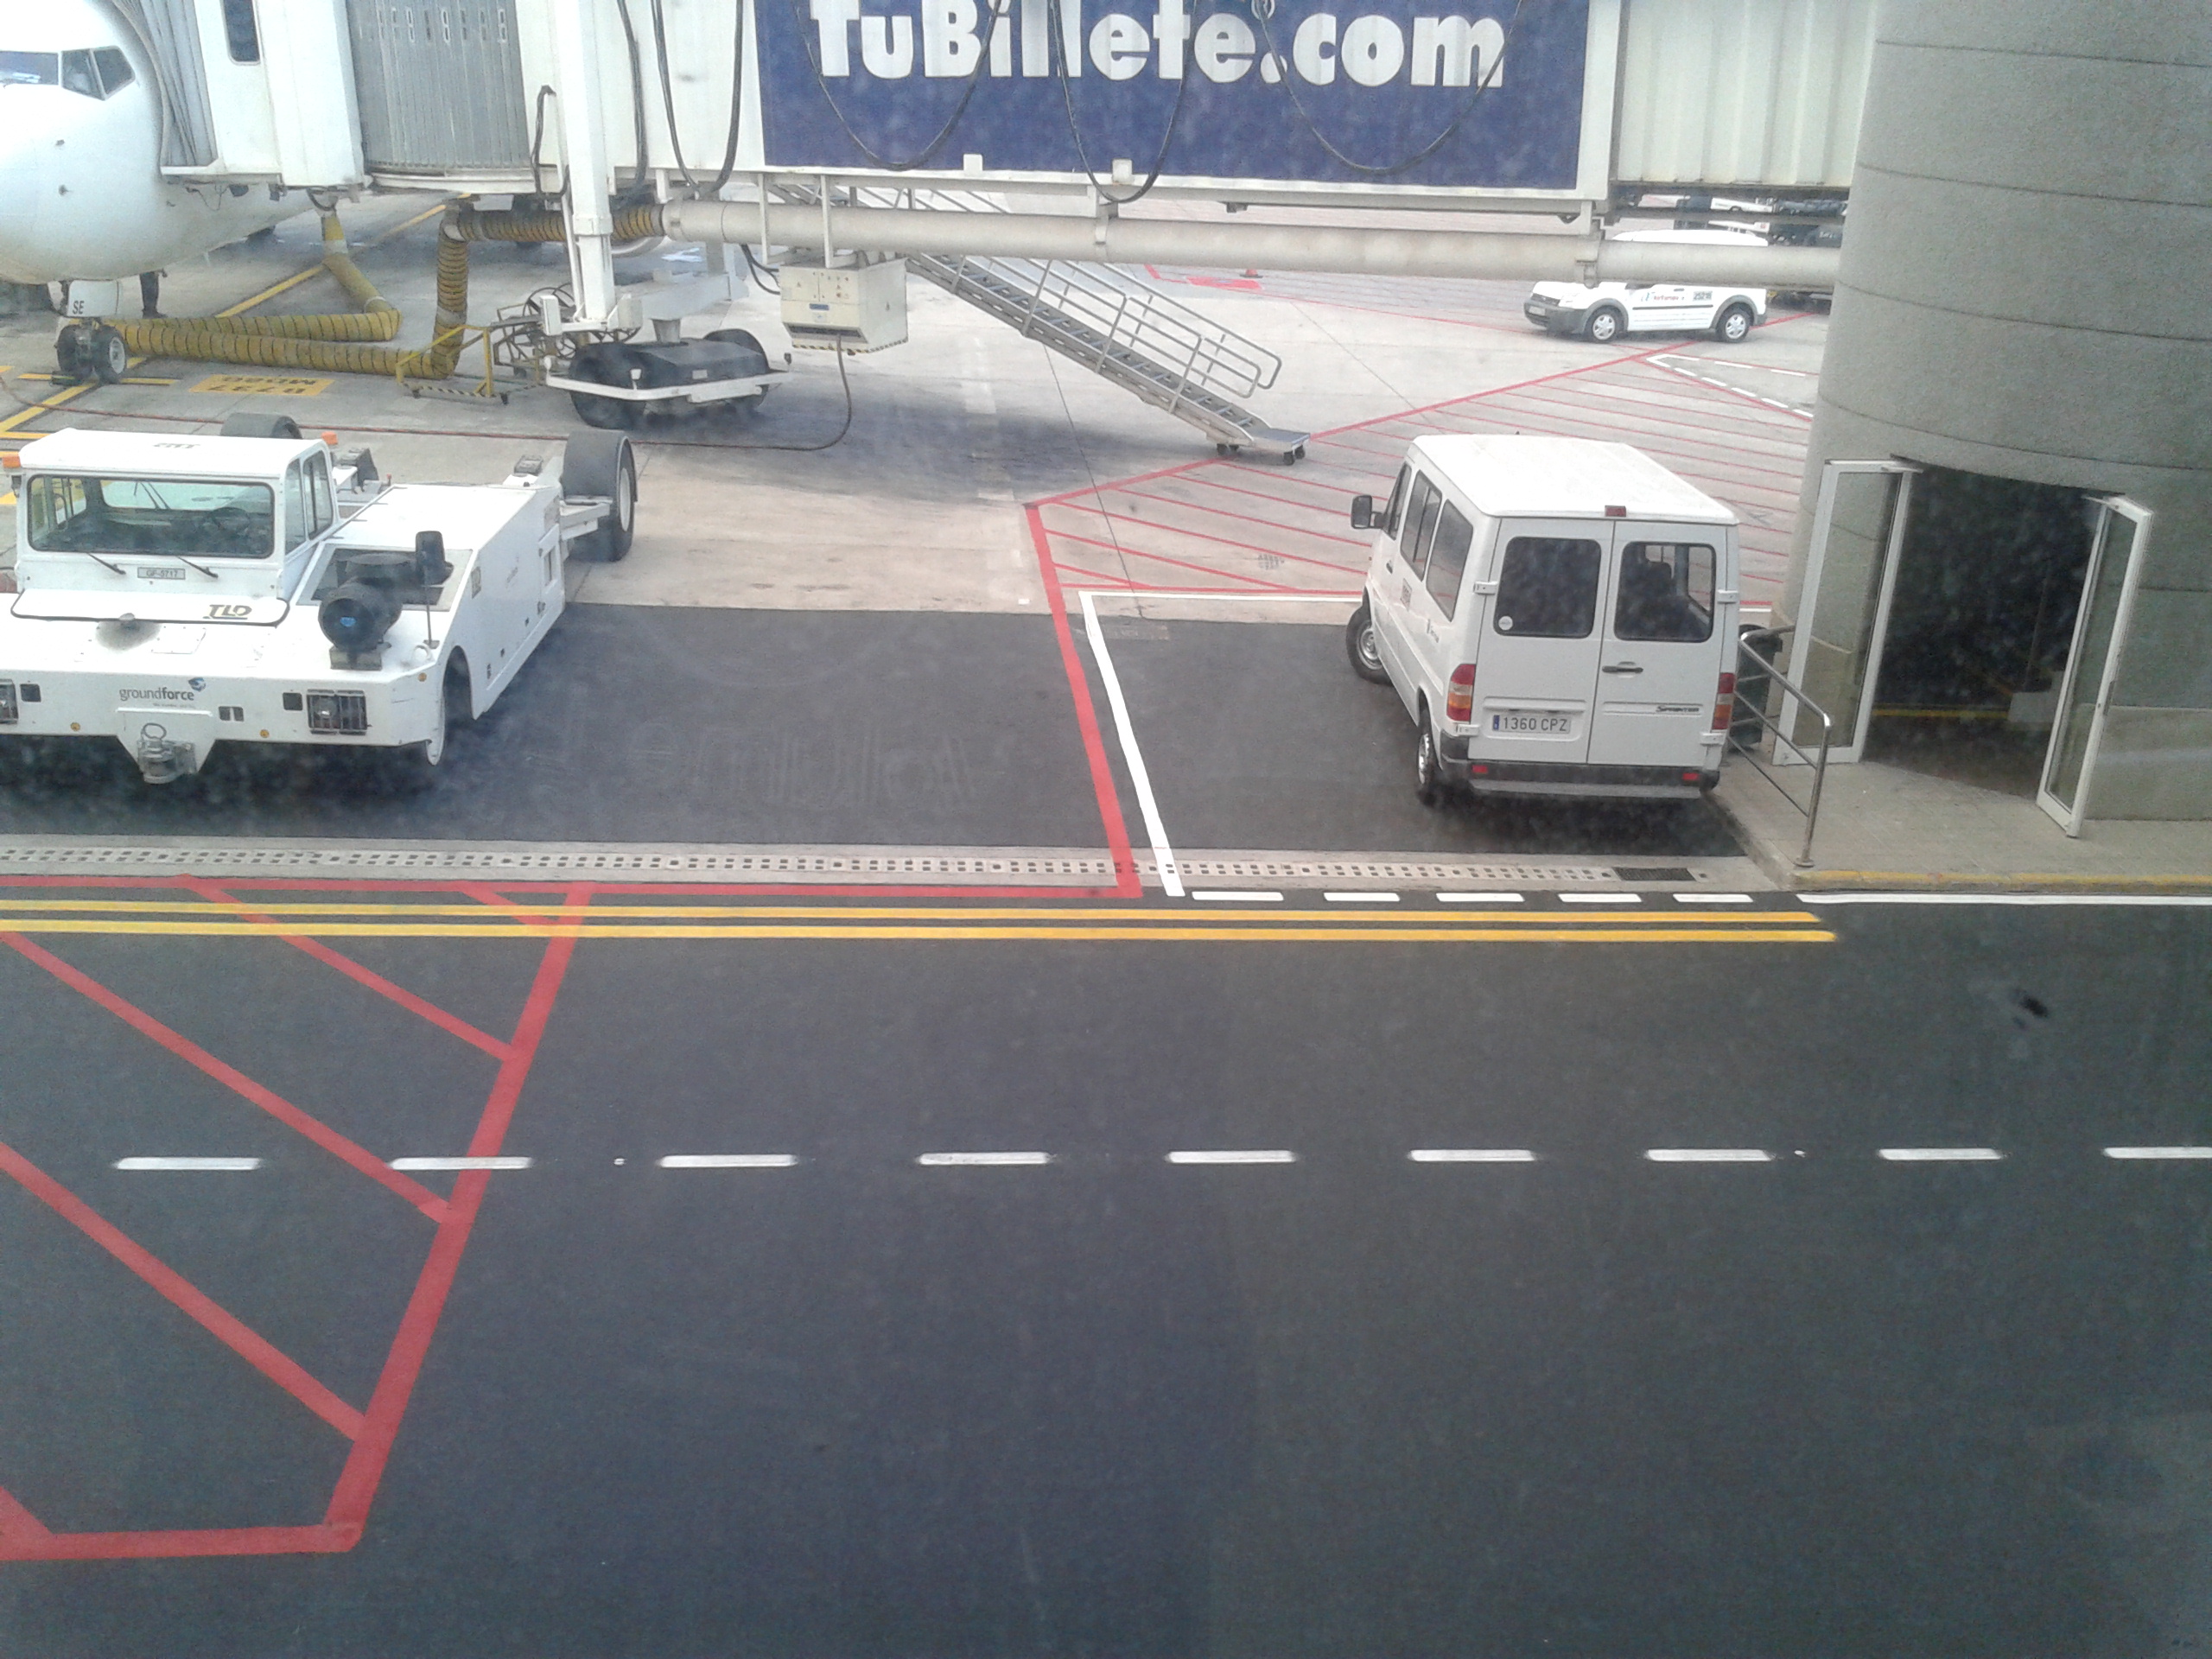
(1724, 704)
(1460, 697)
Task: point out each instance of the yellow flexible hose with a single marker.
(326, 342)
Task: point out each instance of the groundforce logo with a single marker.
(158, 694)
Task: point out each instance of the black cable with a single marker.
(1261, 9)
(996, 11)
(1056, 47)
(759, 280)
(668, 100)
(640, 177)
(537, 147)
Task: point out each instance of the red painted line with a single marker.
(212, 1541)
(1127, 886)
(1120, 584)
(1067, 498)
(375, 982)
(1283, 502)
(364, 1465)
(232, 1078)
(1247, 518)
(1216, 571)
(1726, 436)
(1226, 541)
(1477, 396)
(17, 1524)
(249, 1346)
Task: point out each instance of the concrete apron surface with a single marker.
(924, 503)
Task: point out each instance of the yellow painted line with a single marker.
(10, 423)
(127, 380)
(31, 411)
(935, 912)
(213, 929)
(315, 269)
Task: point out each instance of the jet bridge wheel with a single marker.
(602, 464)
(260, 424)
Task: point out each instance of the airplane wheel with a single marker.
(69, 353)
(111, 357)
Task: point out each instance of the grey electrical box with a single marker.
(853, 307)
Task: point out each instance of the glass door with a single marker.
(1851, 570)
(2093, 666)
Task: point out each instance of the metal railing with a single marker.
(1770, 677)
(1103, 317)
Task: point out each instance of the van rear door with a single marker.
(1664, 633)
(1535, 645)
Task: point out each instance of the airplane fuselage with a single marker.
(82, 193)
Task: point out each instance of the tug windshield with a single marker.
(226, 519)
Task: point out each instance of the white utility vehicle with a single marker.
(173, 592)
(1606, 311)
(1557, 615)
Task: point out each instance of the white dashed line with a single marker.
(1238, 897)
(1601, 898)
(460, 1163)
(1707, 1155)
(1480, 899)
(196, 1165)
(1471, 1155)
(2129, 1153)
(1941, 1154)
(1361, 898)
(1277, 1157)
(727, 1160)
(982, 1159)
(1712, 897)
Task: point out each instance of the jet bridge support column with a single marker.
(583, 149)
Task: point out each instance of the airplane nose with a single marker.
(22, 194)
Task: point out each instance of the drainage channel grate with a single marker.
(951, 865)
(1348, 870)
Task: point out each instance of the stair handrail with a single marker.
(1775, 676)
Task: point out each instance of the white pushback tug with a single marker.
(176, 591)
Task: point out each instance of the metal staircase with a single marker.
(1111, 322)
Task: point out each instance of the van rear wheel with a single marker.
(1360, 645)
(1429, 766)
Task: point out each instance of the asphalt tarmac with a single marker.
(652, 724)
(1335, 1399)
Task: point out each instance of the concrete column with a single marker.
(2026, 292)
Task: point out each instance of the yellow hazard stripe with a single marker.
(215, 928)
(935, 912)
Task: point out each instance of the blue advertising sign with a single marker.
(1456, 94)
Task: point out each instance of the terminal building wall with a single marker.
(2023, 296)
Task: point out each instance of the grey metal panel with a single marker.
(440, 86)
(170, 31)
(1742, 91)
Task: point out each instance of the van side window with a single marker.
(1447, 558)
(1548, 585)
(1420, 523)
(295, 507)
(1666, 592)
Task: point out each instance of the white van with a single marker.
(1606, 311)
(1558, 616)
